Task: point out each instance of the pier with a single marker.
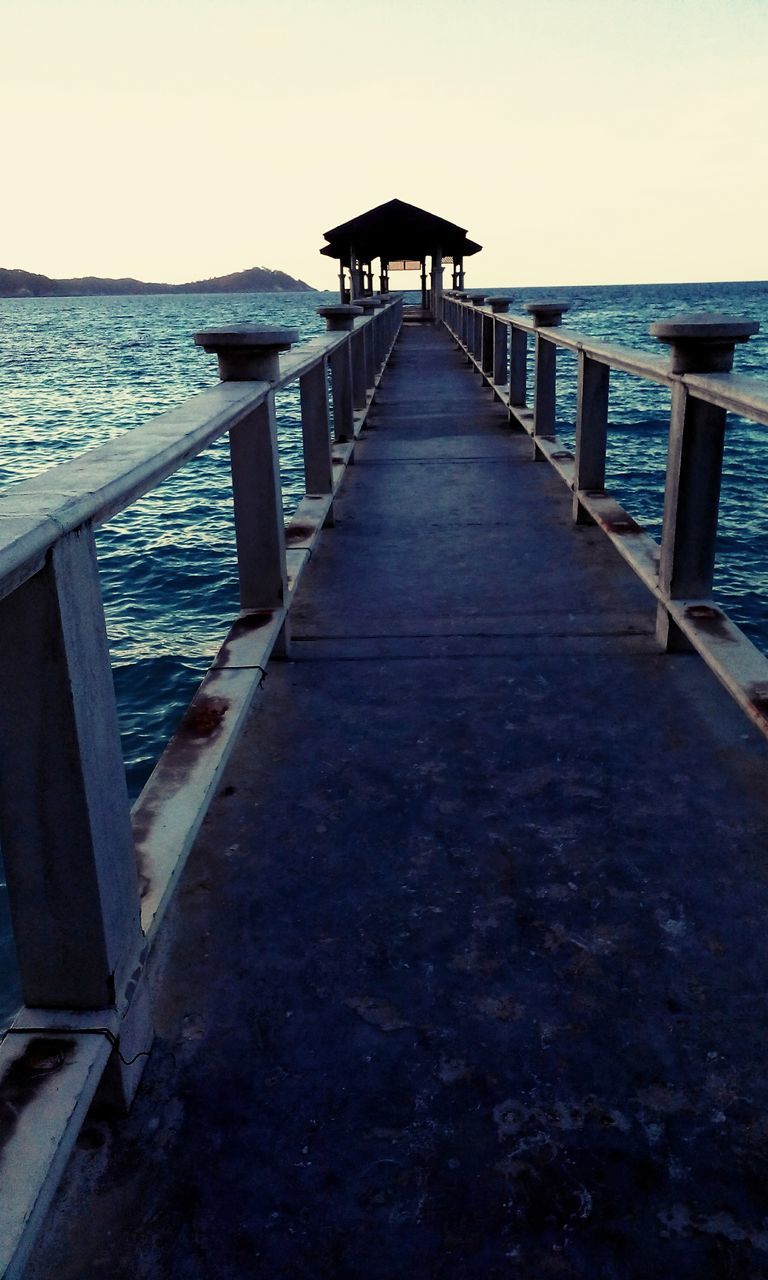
(435, 944)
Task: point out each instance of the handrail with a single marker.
(679, 569)
(98, 484)
(745, 396)
(88, 878)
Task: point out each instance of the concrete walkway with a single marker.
(467, 976)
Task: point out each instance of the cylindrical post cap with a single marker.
(547, 314)
(340, 316)
(246, 335)
(368, 304)
(247, 352)
(498, 304)
(703, 342)
(477, 298)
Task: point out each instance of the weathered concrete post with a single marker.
(701, 343)
(66, 833)
(487, 325)
(316, 433)
(475, 342)
(461, 318)
(248, 353)
(518, 367)
(341, 319)
(500, 341)
(449, 310)
(369, 305)
(357, 345)
(546, 314)
(591, 432)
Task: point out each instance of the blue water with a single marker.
(76, 371)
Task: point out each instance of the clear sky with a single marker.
(580, 141)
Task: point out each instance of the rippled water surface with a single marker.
(76, 371)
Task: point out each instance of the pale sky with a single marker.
(580, 141)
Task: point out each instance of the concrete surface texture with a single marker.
(466, 976)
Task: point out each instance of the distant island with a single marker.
(27, 284)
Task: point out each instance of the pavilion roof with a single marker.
(398, 231)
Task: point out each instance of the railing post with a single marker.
(487, 326)
(700, 344)
(475, 340)
(518, 368)
(369, 305)
(461, 321)
(358, 349)
(461, 313)
(341, 319)
(500, 353)
(591, 432)
(545, 315)
(316, 432)
(391, 320)
(65, 824)
(247, 353)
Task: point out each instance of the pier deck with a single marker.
(467, 973)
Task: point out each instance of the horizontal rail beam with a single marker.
(737, 393)
(92, 488)
(95, 486)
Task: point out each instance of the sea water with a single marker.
(74, 372)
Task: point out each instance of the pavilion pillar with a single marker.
(342, 284)
(355, 275)
(424, 284)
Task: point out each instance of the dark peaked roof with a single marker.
(396, 231)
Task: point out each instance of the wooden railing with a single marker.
(679, 570)
(88, 879)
